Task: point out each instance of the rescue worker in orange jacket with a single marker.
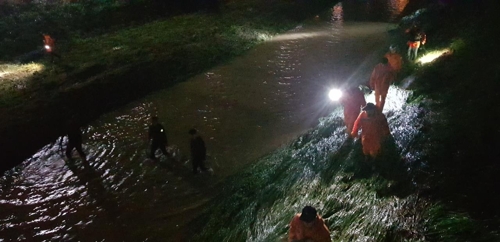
(395, 59)
(308, 226)
(380, 80)
(48, 42)
(49, 45)
(374, 129)
(352, 101)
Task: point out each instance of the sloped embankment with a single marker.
(359, 201)
(325, 169)
(436, 180)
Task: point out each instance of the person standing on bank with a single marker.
(374, 130)
(380, 81)
(416, 38)
(74, 139)
(198, 151)
(49, 46)
(352, 101)
(158, 138)
(395, 60)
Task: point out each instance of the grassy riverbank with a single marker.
(99, 73)
(436, 180)
(461, 167)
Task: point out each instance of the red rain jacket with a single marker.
(381, 78)
(413, 44)
(395, 60)
(47, 40)
(352, 102)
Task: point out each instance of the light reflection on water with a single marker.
(243, 109)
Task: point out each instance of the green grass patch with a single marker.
(460, 159)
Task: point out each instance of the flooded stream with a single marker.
(244, 110)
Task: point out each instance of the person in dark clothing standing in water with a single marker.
(198, 151)
(158, 138)
(74, 139)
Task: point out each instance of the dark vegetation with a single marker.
(461, 91)
(109, 62)
(22, 24)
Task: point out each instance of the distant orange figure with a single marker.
(49, 45)
(48, 42)
(380, 80)
(308, 226)
(395, 59)
(352, 101)
(374, 129)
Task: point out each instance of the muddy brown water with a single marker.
(244, 110)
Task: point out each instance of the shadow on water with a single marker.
(89, 178)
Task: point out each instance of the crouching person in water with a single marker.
(198, 151)
(308, 226)
(158, 138)
(374, 130)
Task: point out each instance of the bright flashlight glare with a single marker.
(335, 94)
(47, 47)
(432, 56)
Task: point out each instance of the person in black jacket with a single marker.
(198, 151)
(158, 138)
(416, 39)
(74, 139)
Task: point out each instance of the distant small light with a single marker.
(47, 47)
(335, 94)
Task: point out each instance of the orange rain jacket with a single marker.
(352, 102)
(395, 61)
(381, 78)
(47, 40)
(317, 233)
(373, 132)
